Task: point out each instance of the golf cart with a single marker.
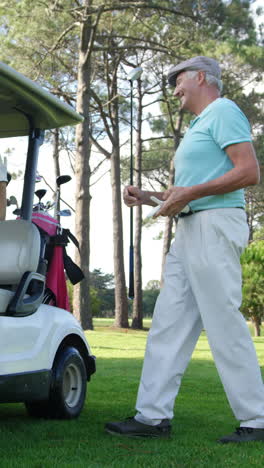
(45, 360)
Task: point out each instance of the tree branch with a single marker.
(143, 5)
(103, 115)
(99, 147)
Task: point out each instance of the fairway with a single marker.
(202, 415)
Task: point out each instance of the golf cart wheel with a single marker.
(68, 388)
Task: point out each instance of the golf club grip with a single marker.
(131, 273)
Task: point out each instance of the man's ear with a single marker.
(201, 77)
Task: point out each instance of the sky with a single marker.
(101, 211)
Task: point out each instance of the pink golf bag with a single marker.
(58, 262)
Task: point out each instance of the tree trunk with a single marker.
(81, 298)
(250, 214)
(137, 315)
(121, 302)
(257, 326)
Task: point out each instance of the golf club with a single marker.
(64, 213)
(40, 194)
(49, 205)
(132, 76)
(11, 201)
(62, 179)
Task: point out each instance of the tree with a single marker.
(152, 285)
(137, 315)
(252, 261)
(100, 280)
(149, 301)
(95, 302)
(108, 107)
(102, 285)
(81, 302)
(150, 295)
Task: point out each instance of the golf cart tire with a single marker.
(68, 388)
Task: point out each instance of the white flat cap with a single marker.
(200, 62)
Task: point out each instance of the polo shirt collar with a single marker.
(204, 112)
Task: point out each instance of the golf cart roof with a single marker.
(21, 97)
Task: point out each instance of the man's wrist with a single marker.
(145, 197)
(192, 193)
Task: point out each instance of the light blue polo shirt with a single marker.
(201, 155)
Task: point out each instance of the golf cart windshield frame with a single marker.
(35, 140)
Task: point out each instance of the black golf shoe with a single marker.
(130, 427)
(243, 434)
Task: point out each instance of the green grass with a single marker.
(202, 415)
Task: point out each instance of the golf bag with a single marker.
(59, 264)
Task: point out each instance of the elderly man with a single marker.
(202, 276)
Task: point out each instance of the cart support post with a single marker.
(36, 139)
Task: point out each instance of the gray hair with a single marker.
(210, 79)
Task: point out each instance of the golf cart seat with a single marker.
(21, 286)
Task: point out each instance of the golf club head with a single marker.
(17, 212)
(49, 205)
(62, 179)
(40, 193)
(12, 200)
(64, 213)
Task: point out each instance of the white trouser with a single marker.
(202, 289)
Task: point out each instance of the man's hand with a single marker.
(3, 170)
(133, 196)
(176, 198)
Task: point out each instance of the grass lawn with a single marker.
(202, 415)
